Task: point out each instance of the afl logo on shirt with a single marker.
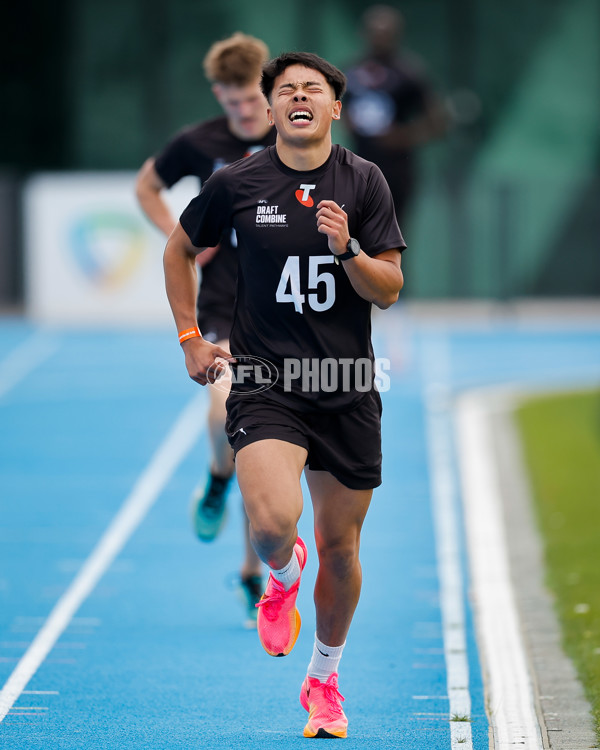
(268, 215)
(303, 195)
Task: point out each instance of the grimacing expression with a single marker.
(245, 108)
(303, 104)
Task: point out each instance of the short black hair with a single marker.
(275, 67)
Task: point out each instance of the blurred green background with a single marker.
(509, 200)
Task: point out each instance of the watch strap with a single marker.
(349, 253)
(345, 256)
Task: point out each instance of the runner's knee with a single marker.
(271, 530)
(340, 558)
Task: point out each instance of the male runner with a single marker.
(233, 66)
(306, 312)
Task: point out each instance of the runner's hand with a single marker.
(333, 221)
(205, 362)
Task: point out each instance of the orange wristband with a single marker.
(189, 333)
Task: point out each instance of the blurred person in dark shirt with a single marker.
(391, 106)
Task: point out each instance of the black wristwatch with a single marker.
(352, 250)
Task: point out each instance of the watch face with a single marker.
(353, 246)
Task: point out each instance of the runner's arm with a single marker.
(181, 284)
(148, 189)
(377, 279)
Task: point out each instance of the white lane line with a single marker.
(40, 692)
(435, 365)
(25, 358)
(510, 692)
(169, 455)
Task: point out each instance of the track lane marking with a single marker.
(25, 358)
(509, 687)
(436, 373)
(165, 461)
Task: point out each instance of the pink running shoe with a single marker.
(323, 701)
(278, 621)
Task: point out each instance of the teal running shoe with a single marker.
(209, 508)
(251, 589)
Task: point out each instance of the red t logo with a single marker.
(303, 195)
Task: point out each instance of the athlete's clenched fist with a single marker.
(333, 221)
(205, 362)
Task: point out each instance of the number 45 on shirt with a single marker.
(290, 286)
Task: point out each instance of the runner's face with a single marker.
(303, 105)
(245, 108)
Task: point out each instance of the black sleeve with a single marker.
(177, 161)
(208, 215)
(379, 228)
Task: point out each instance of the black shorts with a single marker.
(214, 328)
(347, 444)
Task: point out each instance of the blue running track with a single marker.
(140, 645)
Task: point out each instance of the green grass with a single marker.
(561, 440)
(460, 717)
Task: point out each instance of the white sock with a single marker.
(289, 574)
(325, 660)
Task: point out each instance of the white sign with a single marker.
(91, 254)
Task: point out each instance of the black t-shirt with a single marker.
(199, 150)
(295, 306)
(381, 93)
